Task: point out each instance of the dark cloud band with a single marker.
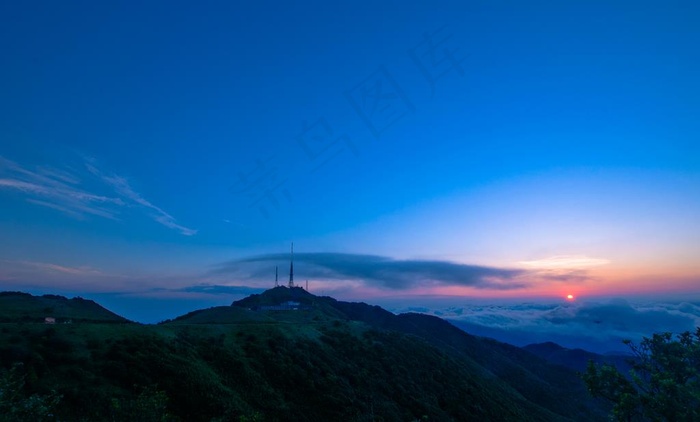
(387, 272)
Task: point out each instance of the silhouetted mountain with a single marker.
(275, 297)
(576, 359)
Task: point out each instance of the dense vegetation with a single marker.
(663, 384)
(333, 361)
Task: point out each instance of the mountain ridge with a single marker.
(25, 307)
(577, 359)
(323, 359)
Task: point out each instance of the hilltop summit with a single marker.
(277, 296)
(24, 307)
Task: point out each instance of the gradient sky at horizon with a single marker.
(537, 149)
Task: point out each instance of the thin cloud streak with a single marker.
(59, 276)
(84, 270)
(123, 188)
(59, 190)
(75, 213)
(561, 262)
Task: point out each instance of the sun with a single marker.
(569, 297)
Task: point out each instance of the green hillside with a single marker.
(552, 387)
(23, 307)
(330, 361)
(220, 315)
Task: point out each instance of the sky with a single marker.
(162, 157)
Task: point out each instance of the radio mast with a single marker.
(291, 268)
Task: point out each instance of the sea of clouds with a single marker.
(595, 326)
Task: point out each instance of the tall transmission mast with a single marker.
(291, 268)
(276, 283)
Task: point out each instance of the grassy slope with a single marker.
(23, 307)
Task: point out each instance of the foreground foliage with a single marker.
(16, 405)
(663, 384)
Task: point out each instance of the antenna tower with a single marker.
(291, 268)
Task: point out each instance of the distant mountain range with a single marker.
(576, 359)
(284, 355)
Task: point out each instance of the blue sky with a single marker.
(146, 147)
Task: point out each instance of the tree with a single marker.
(151, 405)
(15, 405)
(663, 384)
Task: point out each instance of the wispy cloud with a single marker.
(563, 268)
(28, 274)
(56, 276)
(67, 191)
(78, 211)
(124, 189)
(55, 189)
(384, 272)
(83, 270)
(565, 262)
